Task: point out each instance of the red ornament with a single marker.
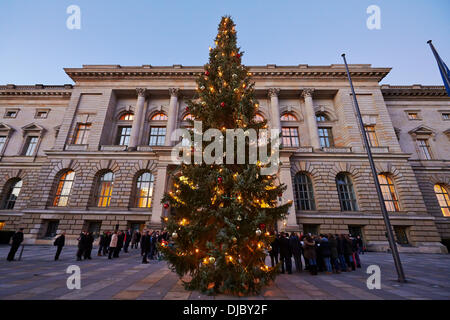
(206, 73)
(222, 104)
(280, 195)
(238, 55)
(220, 179)
(166, 205)
(187, 109)
(262, 226)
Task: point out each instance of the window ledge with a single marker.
(113, 148)
(76, 147)
(337, 149)
(379, 149)
(144, 148)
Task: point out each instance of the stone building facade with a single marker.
(96, 155)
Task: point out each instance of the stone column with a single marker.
(138, 114)
(274, 108)
(311, 118)
(160, 188)
(172, 116)
(288, 195)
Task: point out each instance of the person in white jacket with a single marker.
(113, 244)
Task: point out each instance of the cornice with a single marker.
(413, 90)
(36, 90)
(91, 72)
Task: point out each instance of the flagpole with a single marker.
(441, 67)
(387, 222)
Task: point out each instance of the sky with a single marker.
(36, 44)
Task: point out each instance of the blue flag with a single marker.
(443, 69)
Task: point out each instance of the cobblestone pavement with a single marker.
(37, 276)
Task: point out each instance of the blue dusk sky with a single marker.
(35, 44)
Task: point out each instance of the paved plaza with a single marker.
(37, 276)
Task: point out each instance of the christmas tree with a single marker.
(223, 212)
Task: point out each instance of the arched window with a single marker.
(64, 188)
(346, 193)
(321, 117)
(144, 190)
(303, 192)
(442, 196)
(12, 189)
(188, 117)
(128, 116)
(258, 118)
(159, 117)
(104, 189)
(288, 117)
(157, 132)
(389, 193)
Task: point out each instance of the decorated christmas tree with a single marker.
(223, 213)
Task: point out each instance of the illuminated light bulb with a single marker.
(210, 48)
(205, 261)
(220, 73)
(196, 250)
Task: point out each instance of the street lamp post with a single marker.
(390, 234)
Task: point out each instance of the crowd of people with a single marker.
(111, 243)
(324, 253)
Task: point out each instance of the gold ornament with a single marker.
(212, 259)
(239, 218)
(174, 235)
(234, 239)
(258, 232)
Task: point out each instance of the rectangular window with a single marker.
(2, 142)
(41, 114)
(52, 227)
(123, 138)
(290, 137)
(82, 133)
(424, 149)
(30, 147)
(413, 116)
(325, 137)
(157, 136)
(11, 113)
(400, 234)
(446, 116)
(371, 136)
(2, 225)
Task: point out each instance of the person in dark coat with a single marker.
(294, 242)
(59, 243)
(135, 239)
(17, 239)
(348, 253)
(145, 245)
(302, 243)
(285, 254)
(325, 252)
(89, 245)
(275, 250)
(340, 249)
(127, 240)
(153, 247)
(81, 245)
(355, 252)
(120, 238)
(334, 253)
(103, 244)
(310, 253)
